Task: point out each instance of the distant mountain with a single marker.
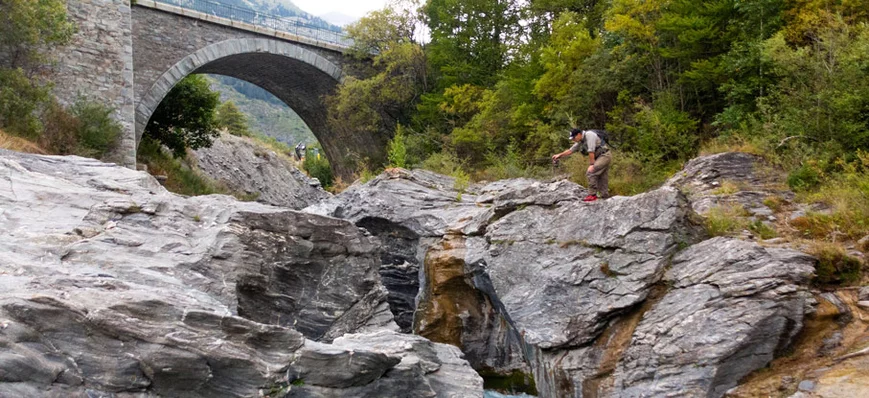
(266, 114)
(280, 8)
(337, 18)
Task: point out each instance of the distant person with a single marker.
(299, 150)
(593, 143)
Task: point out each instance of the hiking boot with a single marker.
(590, 198)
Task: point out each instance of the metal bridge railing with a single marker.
(294, 25)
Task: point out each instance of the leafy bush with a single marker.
(97, 131)
(834, 265)
(462, 182)
(443, 162)
(505, 165)
(319, 168)
(804, 178)
(85, 129)
(397, 150)
(181, 178)
(846, 192)
(20, 98)
(185, 117)
(59, 135)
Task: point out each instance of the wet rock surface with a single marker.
(250, 168)
(112, 286)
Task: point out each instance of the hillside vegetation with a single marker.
(266, 114)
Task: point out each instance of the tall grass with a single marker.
(19, 144)
(180, 178)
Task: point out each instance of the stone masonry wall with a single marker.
(162, 39)
(98, 64)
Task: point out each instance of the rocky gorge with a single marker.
(409, 285)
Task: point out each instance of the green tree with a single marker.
(185, 118)
(228, 116)
(387, 94)
(823, 88)
(398, 149)
(29, 29)
(470, 39)
(20, 98)
(382, 30)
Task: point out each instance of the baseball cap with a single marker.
(574, 133)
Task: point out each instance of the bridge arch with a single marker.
(297, 76)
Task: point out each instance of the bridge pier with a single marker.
(98, 64)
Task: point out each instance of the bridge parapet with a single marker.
(253, 21)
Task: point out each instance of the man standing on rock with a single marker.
(599, 158)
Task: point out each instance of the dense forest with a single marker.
(493, 87)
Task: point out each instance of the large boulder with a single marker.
(565, 272)
(409, 211)
(109, 284)
(248, 167)
(383, 364)
(733, 307)
(730, 178)
(611, 298)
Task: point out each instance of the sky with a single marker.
(353, 8)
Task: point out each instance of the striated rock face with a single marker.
(112, 286)
(612, 298)
(411, 211)
(734, 305)
(384, 364)
(565, 273)
(730, 178)
(247, 167)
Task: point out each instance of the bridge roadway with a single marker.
(131, 56)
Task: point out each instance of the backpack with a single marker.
(604, 137)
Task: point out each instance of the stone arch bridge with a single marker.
(130, 56)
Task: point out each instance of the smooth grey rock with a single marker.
(863, 304)
(410, 211)
(806, 385)
(863, 294)
(733, 306)
(830, 344)
(112, 286)
(248, 167)
(399, 271)
(383, 364)
(702, 178)
(580, 263)
(407, 211)
(421, 201)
